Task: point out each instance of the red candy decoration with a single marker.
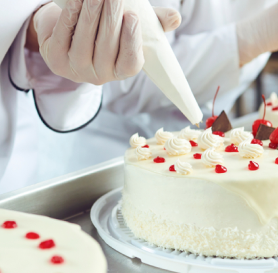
(197, 156)
(276, 161)
(275, 108)
(159, 159)
(57, 260)
(257, 141)
(231, 148)
(172, 168)
(47, 244)
(193, 143)
(219, 133)
(9, 225)
(253, 166)
(146, 146)
(258, 122)
(269, 104)
(32, 236)
(273, 146)
(220, 169)
(274, 136)
(212, 119)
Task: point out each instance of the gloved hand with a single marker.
(258, 34)
(94, 41)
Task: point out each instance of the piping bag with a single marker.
(161, 64)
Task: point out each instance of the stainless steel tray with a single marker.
(70, 198)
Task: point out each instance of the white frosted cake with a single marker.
(271, 110)
(211, 199)
(30, 243)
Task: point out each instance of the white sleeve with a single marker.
(62, 105)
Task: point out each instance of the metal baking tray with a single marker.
(70, 198)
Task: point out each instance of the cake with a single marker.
(271, 110)
(38, 244)
(198, 192)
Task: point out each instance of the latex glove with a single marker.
(258, 34)
(94, 41)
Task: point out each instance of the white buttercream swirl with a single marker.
(136, 141)
(143, 153)
(248, 150)
(238, 135)
(177, 146)
(162, 136)
(211, 158)
(274, 99)
(208, 140)
(183, 167)
(189, 134)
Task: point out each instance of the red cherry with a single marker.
(57, 260)
(220, 169)
(159, 159)
(257, 141)
(146, 146)
(212, 119)
(172, 168)
(273, 146)
(9, 225)
(258, 122)
(274, 136)
(193, 143)
(269, 104)
(197, 156)
(164, 148)
(276, 161)
(231, 148)
(275, 108)
(219, 133)
(253, 166)
(47, 244)
(32, 236)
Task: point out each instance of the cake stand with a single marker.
(107, 218)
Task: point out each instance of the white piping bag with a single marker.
(161, 64)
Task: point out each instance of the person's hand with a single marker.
(94, 41)
(258, 34)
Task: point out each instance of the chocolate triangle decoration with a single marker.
(222, 123)
(264, 132)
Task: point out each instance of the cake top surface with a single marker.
(257, 184)
(31, 243)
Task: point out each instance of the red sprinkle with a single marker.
(253, 166)
(275, 108)
(257, 141)
(273, 146)
(9, 225)
(146, 146)
(172, 168)
(193, 143)
(269, 104)
(276, 161)
(32, 236)
(159, 159)
(47, 244)
(220, 169)
(197, 156)
(231, 148)
(57, 260)
(219, 133)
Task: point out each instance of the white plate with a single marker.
(107, 218)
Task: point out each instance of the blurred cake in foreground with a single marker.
(271, 110)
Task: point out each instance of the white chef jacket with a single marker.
(206, 47)
(62, 105)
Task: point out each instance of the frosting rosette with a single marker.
(248, 150)
(238, 135)
(143, 153)
(136, 141)
(177, 146)
(211, 158)
(162, 136)
(183, 168)
(189, 134)
(208, 140)
(274, 99)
